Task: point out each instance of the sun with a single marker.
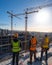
(41, 21)
(42, 16)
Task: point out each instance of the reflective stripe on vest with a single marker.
(33, 44)
(16, 46)
(46, 43)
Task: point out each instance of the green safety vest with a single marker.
(16, 46)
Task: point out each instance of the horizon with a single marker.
(27, 31)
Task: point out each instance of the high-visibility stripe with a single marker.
(16, 46)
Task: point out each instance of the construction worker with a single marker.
(16, 47)
(32, 48)
(45, 47)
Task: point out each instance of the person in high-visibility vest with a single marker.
(45, 47)
(32, 48)
(16, 47)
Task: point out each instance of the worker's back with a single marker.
(16, 46)
(33, 42)
(46, 42)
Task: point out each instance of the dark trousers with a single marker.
(44, 50)
(31, 54)
(15, 58)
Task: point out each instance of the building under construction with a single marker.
(6, 35)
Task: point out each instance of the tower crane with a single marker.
(12, 15)
(26, 17)
(41, 6)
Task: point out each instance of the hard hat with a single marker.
(16, 35)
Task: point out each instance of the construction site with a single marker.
(27, 18)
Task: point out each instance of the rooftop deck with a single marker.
(24, 58)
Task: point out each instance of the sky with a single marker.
(40, 22)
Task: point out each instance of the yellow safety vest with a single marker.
(46, 43)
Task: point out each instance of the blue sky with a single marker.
(18, 6)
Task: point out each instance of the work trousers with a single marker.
(46, 51)
(15, 58)
(31, 54)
